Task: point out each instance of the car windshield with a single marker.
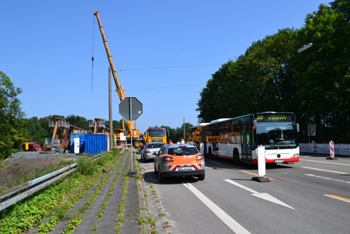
(154, 146)
(183, 151)
(277, 134)
(157, 133)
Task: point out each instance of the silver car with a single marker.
(150, 151)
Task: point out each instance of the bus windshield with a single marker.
(277, 135)
(156, 133)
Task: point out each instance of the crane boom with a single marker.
(120, 88)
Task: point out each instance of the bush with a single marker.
(86, 166)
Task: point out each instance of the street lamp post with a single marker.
(305, 47)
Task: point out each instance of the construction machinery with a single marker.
(136, 139)
(121, 134)
(60, 142)
(97, 125)
(155, 135)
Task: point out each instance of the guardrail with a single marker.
(22, 191)
(339, 149)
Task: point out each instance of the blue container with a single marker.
(82, 142)
(95, 143)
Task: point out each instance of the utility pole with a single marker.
(184, 129)
(110, 111)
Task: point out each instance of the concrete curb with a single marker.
(142, 202)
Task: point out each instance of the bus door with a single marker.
(246, 137)
(203, 140)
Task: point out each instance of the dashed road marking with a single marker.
(319, 169)
(327, 178)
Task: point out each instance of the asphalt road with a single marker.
(311, 196)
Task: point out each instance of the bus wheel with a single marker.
(235, 157)
(210, 153)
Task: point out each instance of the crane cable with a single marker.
(92, 58)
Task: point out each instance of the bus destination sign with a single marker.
(268, 118)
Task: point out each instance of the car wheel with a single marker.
(201, 177)
(160, 176)
(210, 153)
(155, 169)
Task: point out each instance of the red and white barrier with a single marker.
(331, 151)
(314, 146)
(331, 148)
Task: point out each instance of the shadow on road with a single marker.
(151, 176)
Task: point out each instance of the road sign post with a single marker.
(131, 109)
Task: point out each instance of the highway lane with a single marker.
(299, 198)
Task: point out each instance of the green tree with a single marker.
(324, 73)
(78, 121)
(12, 131)
(36, 131)
(181, 131)
(342, 6)
(262, 79)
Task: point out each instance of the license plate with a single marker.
(281, 160)
(185, 168)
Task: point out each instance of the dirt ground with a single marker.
(16, 168)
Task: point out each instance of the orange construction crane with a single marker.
(131, 125)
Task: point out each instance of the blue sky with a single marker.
(164, 51)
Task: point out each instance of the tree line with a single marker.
(15, 129)
(272, 76)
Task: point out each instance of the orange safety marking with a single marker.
(340, 198)
(252, 173)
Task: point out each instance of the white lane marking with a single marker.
(318, 169)
(264, 196)
(327, 178)
(270, 198)
(230, 222)
(241, 186)
(338, 198)
(326, 162)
